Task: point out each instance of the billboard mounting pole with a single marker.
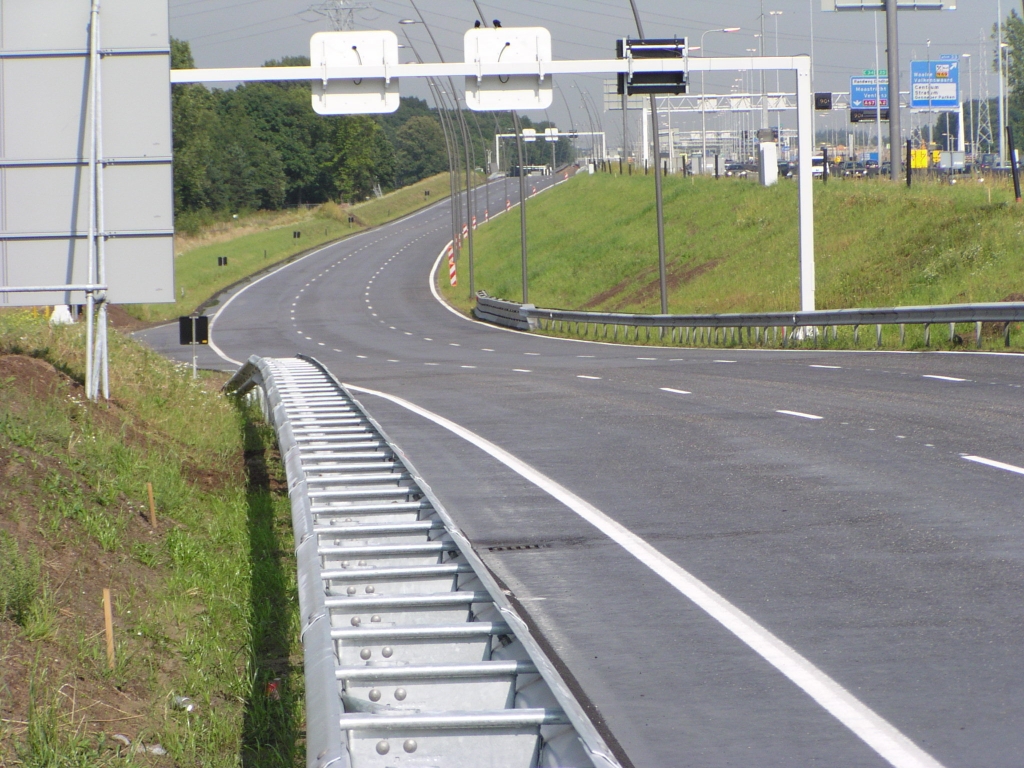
(892, 44)
(94, 13)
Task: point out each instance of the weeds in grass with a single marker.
(216, 621)
(52, 740)
(41, 618)
(19, 580)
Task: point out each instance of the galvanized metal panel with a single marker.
(45, 137)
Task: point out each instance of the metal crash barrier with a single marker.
(413, 654)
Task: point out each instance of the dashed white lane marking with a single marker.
(453, 344)
(875, 731)
(467, 366)
(335, 349)
(522, 370)
(582, 376)
(584, 355)
(676, 391)
(361, 357)
(801, 415)
(647, 358)
(431, 363)
(321, 344)
(392, 361)
(994, 463)
(940, 378)
(486, 349)
(831, 367)
(532, 354)
(724, 361)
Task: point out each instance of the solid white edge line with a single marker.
(801, 415)
(875, 731)
(994, 463)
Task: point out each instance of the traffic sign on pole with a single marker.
(935, 85)
(868, 95)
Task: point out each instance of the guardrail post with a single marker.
(927, 335)
(977, 334)
(903, 333)
(952, 332)
(1006, 332)
(878, 335)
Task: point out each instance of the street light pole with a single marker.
(464, 130)
(764, 90)
(703, 98)
(778, 85)
(1002, 105)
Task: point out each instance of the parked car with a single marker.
(786, 169)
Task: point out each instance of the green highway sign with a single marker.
(871, 73)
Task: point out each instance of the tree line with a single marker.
(261, 145)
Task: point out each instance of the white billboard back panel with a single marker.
(508, 45)
(354, 49)
(45, 140)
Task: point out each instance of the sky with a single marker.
(234, 33)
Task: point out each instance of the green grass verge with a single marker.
(732, 246)
(197, 276)
(205, 604)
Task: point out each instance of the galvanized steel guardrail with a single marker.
(686, 328)
(413, 653)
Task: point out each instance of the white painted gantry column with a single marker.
(801, 65)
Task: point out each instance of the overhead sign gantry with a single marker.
(512, 69)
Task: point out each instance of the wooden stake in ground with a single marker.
(152, 505)
(108, 621)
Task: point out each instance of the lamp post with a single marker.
(703, 100)
(1002, 88)
(970, 97)
(464, 130)
(778, 86)
(450, 141)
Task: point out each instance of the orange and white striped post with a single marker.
(451, 267)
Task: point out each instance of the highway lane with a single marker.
(864, 539)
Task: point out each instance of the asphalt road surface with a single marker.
(741, 558)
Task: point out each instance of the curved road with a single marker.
(741, 558)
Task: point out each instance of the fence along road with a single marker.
(871, 541)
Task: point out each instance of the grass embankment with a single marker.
(253, 243)
(732, 246)
(204, 603)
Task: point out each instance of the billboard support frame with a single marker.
(33, 245)
(800, 65)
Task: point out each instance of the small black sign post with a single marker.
(194, 329)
